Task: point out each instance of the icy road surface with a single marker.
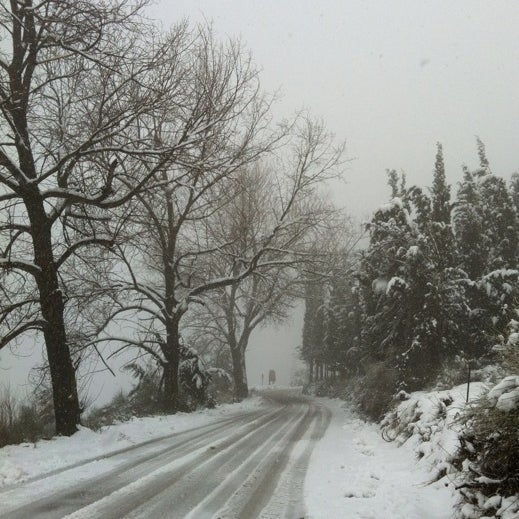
(252, 464)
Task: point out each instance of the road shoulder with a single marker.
(354, 473)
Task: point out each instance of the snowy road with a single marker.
(249, 465)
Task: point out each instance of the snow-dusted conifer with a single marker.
(487, 237)
(468, 227)
(440, 192)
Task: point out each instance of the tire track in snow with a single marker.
(176, 477)
(251, 465)
(145, 445)
(117, 471)
(286, 501)
(277, 484)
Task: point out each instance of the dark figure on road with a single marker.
(272, 377)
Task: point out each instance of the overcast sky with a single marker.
(391, 78)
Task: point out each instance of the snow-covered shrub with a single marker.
(142, 400)
(194, 379)
(220, 387)
(455, 372)
(202, 386)
(122, 408)
(429, 421)
(489, 453)
(117, 410)
(331, 387)
(452, 373)
(508, 348)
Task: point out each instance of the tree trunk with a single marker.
(67, 411)
(171, 395)
(239, 373)
(311, 371)
(63, 377)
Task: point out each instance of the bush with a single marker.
(220, 387)
(20, 422)
(142, 400)
(332, 387)
(455, 372)
(489, 453)
(374, 391)
(371, 393)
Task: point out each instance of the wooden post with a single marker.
(468, 383)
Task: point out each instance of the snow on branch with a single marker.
(17, 264)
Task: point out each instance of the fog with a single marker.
(392, 79)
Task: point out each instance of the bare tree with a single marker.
(233, 312)
(163, 268)
(196, 245)
(79, 86)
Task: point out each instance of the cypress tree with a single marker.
(440, 193)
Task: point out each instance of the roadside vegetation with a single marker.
(429, 304)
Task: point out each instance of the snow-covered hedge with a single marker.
(473, 449)
(489, 453)
(431, 422)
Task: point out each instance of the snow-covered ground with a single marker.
(355, 473)
(29, 460)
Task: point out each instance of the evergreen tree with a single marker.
(438, 280)
(440, 192)
(483, 161)
(413, 296)
(387, 299)
(514, 192)
(487, 238)
(468, 227)
(341, 326)
(500, 229)
(313, 327)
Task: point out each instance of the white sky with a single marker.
(391, 78)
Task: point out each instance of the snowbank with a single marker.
(427, 422)
(505, 395)
(354, 473)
